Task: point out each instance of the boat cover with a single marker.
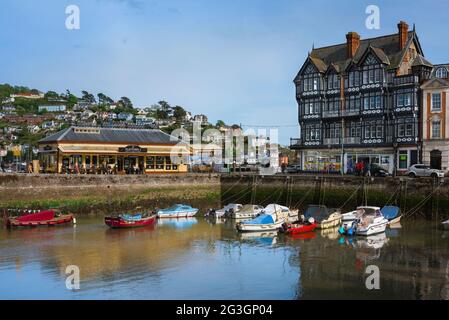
(177, 208)
(390, 212)
(40, 216)
(129, 217)
(262, 219)
(319, 213)
(272, 208)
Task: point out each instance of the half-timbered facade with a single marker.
(359, 101)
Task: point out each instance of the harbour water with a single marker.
(203, 259)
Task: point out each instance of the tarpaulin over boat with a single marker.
(40, 216)
(262, 219)
(390, 212)
(319, 213)
(129, 217)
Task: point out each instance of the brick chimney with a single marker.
(403, 34)
(352, 43)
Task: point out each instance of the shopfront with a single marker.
(134, 152)
(331, 161)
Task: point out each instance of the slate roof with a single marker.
(421, 61)
(386, 49)
(112, 135)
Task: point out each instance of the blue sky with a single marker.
(231, 60)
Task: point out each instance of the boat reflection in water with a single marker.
(330, 233)
(264, 238)
(178, 223)
(367, 248)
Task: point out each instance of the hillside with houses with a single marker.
(27, 115)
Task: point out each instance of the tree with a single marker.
(88, 97)
(220, 123)
(126, 103)
(179, 113)
(104, 99)
(51, 95)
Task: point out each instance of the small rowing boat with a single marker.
(391, 213)
(299, 226)
(42, 218)
(130, 221)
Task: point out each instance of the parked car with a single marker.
(422, 170)
(378, 171)
(294, 168)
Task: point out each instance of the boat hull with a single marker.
(118, 223)
(333, 221)
(373, 228)
(259, 227)
(446, 225)
(395, 221)
(301, 228)
(63, 219)
(184, 214)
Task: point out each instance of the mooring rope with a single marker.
(231, 187)
(350, 197)
(422, 202)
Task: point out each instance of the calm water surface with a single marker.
(202, 259)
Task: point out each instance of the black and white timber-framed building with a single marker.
(360, 101)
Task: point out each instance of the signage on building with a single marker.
(133, 149)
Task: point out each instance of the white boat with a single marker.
(325, 217)
(348, 218)
(271, 219)
(248, 211)
(177, 211)
(371, 223)
(232, 207)
(446, 225)
(289, 215)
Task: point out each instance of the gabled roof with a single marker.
(421, 61)
(112, 135)
(386, 49)
(435, 83)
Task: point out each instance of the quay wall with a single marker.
(105, 193)
(84, 194)
(422, 197)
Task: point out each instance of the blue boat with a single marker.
(177, 211)
(391, 213)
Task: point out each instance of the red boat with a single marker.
(121, 222)
(295, 228)
(41, 218)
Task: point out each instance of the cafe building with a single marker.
(96, 150)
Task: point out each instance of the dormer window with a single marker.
(441, 73)
(372, 71)
(311, 79)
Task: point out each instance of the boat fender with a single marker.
(311, 220)
(341, 230)
(74, 220)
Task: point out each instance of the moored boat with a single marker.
(299, 226)
(264, 222)
(228, 209)
(271, 219)
(41, 218)
(324, 217)
(130, 221)
(248, 211)
(177, 211)
(371, 223)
